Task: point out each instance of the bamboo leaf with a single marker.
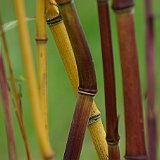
(12, 24)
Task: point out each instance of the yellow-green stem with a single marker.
(46, 149)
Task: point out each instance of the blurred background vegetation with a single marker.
(61, 98)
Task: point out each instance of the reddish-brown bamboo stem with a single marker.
(17, 98)
(135, 144)
(151, 110)
(7, 112)
(87, 79)
(112, 136)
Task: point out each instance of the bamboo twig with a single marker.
(7, 112)
(87, 80)
(109, 81)
(135, 144)
(151, 110)
(60, 35)
(31, 81)
(17, 98)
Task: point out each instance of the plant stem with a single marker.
(7, 112)
(66, 52)
(41, 40)
(151, 110)
(87, 79)
(17, 98)
(135, 144)
(31, 81)
(109, 81)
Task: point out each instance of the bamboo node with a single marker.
(41, 39)
(124, 10)
(113, 141)
(63, 2)
(86, 93)
(140, 157)
(118, 6)
(54, 21)
(94, 118)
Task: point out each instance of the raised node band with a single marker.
(93, 119)
(141, 157)
(64, 2)
(86, 93)
(41, 39)
(113, 142)
(53, 21)
(125, 10)
(122, 5)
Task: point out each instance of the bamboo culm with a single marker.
(112, 136)
(87, 80)
(151, 110)
(95, 126)
(135, 143)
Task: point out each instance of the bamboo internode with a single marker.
(135, 144)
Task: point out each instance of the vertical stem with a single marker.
(7, 112)
(41, 40)
(109, 81)
(135, 144)
(60, 35)
(87, 79)
(151, 110)
(31, 81)
(16, 95)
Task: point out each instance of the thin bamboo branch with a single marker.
(135, 144)
(17, 98)
(31, 81)
(60, 35)
(7, 112)
(41, 39)
(151, 110)
(87, 80)
(109, 81)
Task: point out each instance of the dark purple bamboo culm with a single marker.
(4, 93)
(135, 143)
(87, 79)
(151, 110)
(112, 136)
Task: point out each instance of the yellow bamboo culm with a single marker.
(41, 40)
(45, 147)
(65, 49)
